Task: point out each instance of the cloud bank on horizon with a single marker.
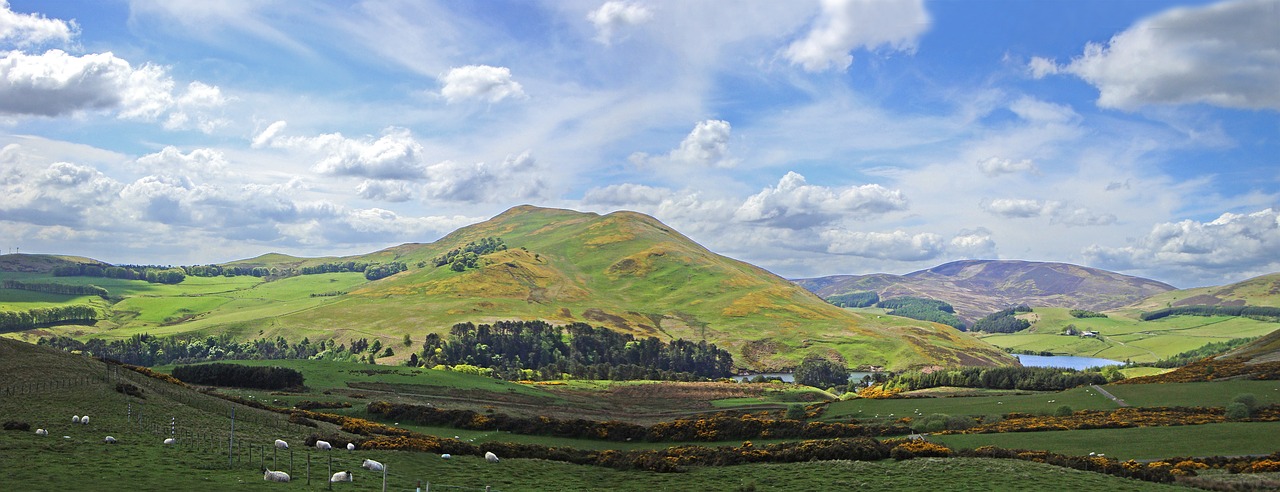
(809, 137)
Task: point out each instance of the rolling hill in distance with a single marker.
(624, 270)
(980, 287)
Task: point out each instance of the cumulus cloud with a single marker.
(1229, 245)
(23, 30)
(171, 160)
(1081, 217)
(60, 194)
(481, 82)
(707, 145)
(1057, 212)
(973, 244)
(994, 166)
(194, 109)
(795, 204)
(387, 191)
(614, 16)
(1222, 54)
(56, 83)
(845, 25)
(1016, 207)
(394, 155)
(517, 177)
(626, 194)
(897, 245)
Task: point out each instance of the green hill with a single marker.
(624, 270)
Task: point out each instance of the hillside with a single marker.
(979, 287)
(624, 270)
(1258, 291)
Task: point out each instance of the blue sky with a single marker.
(810, 138)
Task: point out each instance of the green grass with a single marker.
(1124, 337)
(1207, 394)
(1226, 439)
(861, 408)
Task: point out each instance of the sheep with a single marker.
(324, 445)
(446, 456)
(492, 458)
(275, 476)
(372, 465)
(342, 476)
(84, 420)
(351, 446)
(75, 419)
(109, 440)
(170, 441)
(280, 444)
(42, 432)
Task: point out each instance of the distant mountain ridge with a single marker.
(980, 287)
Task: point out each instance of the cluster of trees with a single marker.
(383, 270)
(150, 273)
(335, 267)
(1020, 378)
(1082, 313)
(468, 256)
(150, 350)
(1003, 321)
(538, 350)
(854, 299)
(1261, 313)
(819, 372)
(45, 316)
(229, 271)
(220, 374)
(924, 310)
(52, 288)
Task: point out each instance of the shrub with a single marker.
(795, 412)
(1249, 400)
(1237, 411)
(129, 389)
(1062, 411)
(11, 425)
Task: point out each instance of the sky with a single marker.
(810, 138)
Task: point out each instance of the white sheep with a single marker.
(84, 420)
(109, 440)
(342, 476)
(75, 419)
(169, 441)
(492, 458)
(323, 445)
(446, 456)
(280, 444)
(42, 432)
(372, 465)
(275, 476)
(351, 446)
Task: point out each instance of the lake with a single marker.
(1067, 361)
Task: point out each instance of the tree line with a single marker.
(55, 288)
(150, 273)
(1003, 321)
(1020, 378)
(923, 310)
(855, 299)
(538, 350)
(1261, 313)
(46, 316)
(240, 376)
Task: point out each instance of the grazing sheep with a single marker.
(342, 476)
(372, 465)
(84, 420)
(75, 419)
(109, 440)
(280, 444)
(351, 446)
(446, 456)
(275, 476)
(42, 432)
(170, 441)
(492, 458)
(323, 445)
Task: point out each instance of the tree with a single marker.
(407, 341)
(819, 372)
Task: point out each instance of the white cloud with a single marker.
(1041, 67)
(1016, 207)
(56, 83)
(795, 204)
(1222, 54)
(973, 244)
(23, 30)
(170, 160)
(994, 166)
(193, 109)
(1037, 111)
(483, 82)
(388, 191)
(1225, 248)
(265, 138)
(897, 245)
(1081, 217)
(614, 16)
(845, 25)
(394, 155)
(516, 178)
(626, 194)
(707, 145)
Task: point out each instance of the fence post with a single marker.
(308, 468)
(329, 478)
(384, 478)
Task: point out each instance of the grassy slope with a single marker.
(623, 270)
(1124, 337)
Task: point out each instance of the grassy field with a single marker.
(1123, 337)
(1226, 439)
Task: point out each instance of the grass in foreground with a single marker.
(1227, 439)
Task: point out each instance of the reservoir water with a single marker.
(1067, 361)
